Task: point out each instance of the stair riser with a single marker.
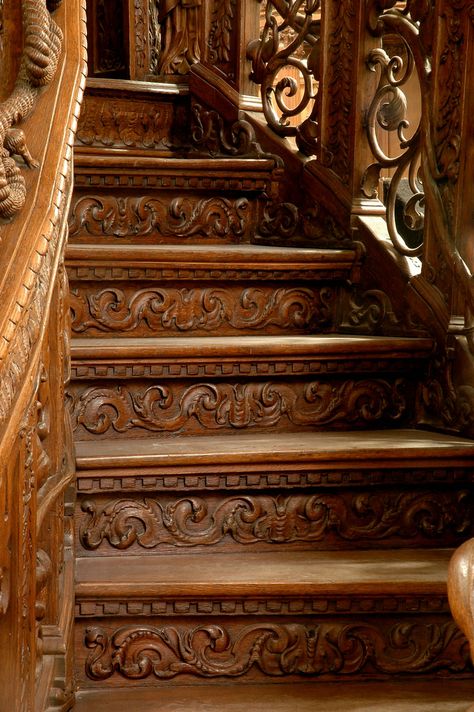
(192, 650)
(200, 309)
(142, 408)
(138, 212)
(107, 525)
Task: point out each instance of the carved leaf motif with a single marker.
(221, 33)
(200, 308)
(243, 405)
(192, 521)
(183, 217)
(137, 652)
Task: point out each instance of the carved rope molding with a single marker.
(193, 521)
(319, 649)
(39, 61)
(23, 325)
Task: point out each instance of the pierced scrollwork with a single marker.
(41, 51)
(388, 113)
(285, 63)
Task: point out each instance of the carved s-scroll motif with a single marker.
(138, 652)
(169, 309)
(184, 217)
(287, 223)
(161, 408)
(213, 136)
(39, 60)
(192, 521)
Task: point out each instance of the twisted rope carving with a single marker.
(39, 61)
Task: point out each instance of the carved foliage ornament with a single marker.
(170, 309)
(286, 223)
(192, 521)
(39, 60)
(138, 652)
(161, 408)
(220, 38)
(215, 218)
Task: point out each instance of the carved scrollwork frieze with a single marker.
(250, 519)
(215, 218)
(115, 122)
(166, 310)
(39, 60)
(205, 406)
(137, 652)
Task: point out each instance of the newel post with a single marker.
(221, 79)
(346, 89)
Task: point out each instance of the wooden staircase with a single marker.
(258, 522)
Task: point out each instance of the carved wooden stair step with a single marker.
(387, 696)
(292, 576)
(223, 356)
(265, 616)
(273, 460)
(208, 262)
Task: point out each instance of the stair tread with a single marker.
(328, 449)
(401, 696)
(222, 254)
(277, 573)
(228, 347)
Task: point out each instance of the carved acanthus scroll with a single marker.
(42, 47)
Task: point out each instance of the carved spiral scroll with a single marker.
(285, 62)
(41, 51)
(387, 114)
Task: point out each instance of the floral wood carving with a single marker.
(286, 223)
(183, 217)
(160, 408)
(39, 60)
(170, 309)
(213, 136)
(193, 521)
(180, 35)
(138, 652)
(125, 123)
(220, 38)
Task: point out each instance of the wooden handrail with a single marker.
(37, 123)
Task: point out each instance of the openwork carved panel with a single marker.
(276, 650)
(167, 310)
(209, 407)
(285, 63)
(216, 218)
(382, 517)
(401, 63)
